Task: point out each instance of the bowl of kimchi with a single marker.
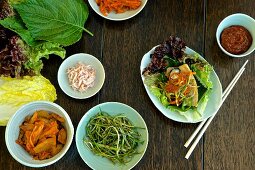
(39, 134)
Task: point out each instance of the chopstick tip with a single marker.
(187, 156)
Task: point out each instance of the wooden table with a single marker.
(229, 141)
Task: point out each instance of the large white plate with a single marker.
(213, 102)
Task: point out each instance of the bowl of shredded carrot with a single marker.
(39, 134)
(117, 10)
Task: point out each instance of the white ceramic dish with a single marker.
(237, 19)
(71, 62)
(212, 105)
(117, 17)
(113, 108)
(12, 133)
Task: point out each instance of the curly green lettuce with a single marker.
(36, 53)
(203, 71)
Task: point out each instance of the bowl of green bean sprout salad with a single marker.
(112, 136)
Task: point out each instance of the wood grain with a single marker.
(75, 108)
(229, 142)
(125, 44)
(120, 46)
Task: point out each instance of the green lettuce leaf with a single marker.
(164, 100)
(203, 71)
(15, 24)
(40, 51)
(151, 82)
(34, 54)
(152, 79)
(187, 101)
(202, 103)
(14, 93)
(156, 91)
(13, 2)
(195, 115)
(171, 62)
(56, 21)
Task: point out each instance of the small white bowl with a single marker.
(12, 133)
(117, 17)
(237, 19)
(71, 62)
(112, 108)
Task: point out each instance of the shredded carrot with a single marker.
(42, 135)
(174, 85)
(119, 6)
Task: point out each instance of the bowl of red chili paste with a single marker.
(236, 35)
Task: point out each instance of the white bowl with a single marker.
(71, 62)
(12, 133)
(112, 108)
(117, 17)
(237, 19)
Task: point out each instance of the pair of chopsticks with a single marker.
(201, 127)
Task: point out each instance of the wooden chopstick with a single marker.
(224, 96)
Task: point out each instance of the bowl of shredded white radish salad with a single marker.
(81, 76)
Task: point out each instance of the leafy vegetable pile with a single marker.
(180, 81)
(38, 28)
(113, 137)
(29, 31)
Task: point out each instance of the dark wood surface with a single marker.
(229, 141)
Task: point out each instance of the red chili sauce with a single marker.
(236, 39)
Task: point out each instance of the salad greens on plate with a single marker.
(180, 81)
